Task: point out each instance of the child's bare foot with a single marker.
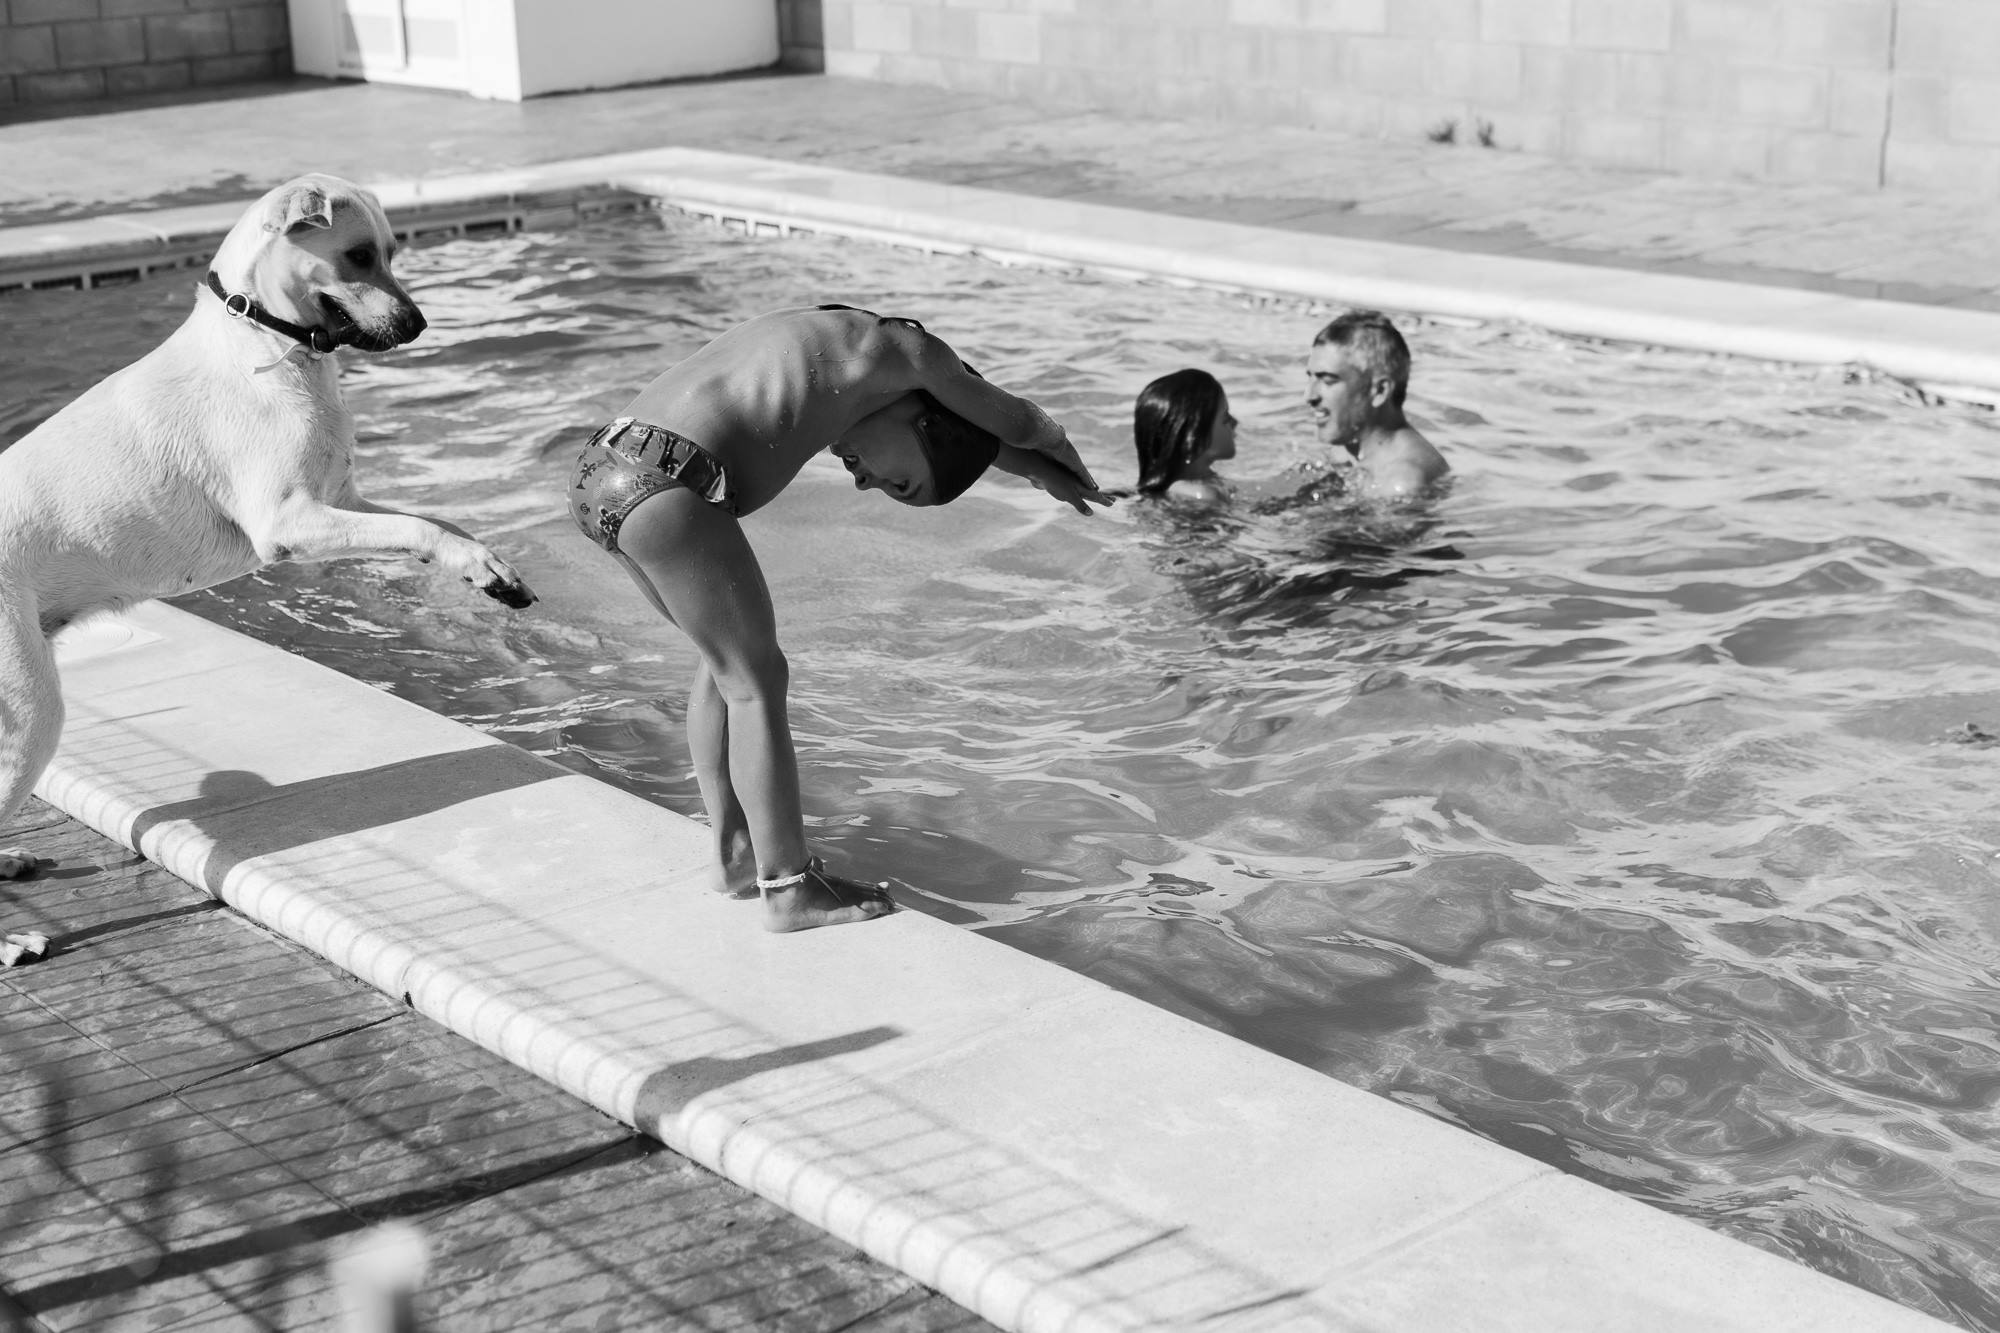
(18, 863)
(814, 898)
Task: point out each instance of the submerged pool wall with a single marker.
(1851, 92)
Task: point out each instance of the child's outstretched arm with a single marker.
(1044, 473)
(1022, 427)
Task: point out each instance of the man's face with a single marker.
(1340, 394)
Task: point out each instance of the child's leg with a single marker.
(708, 741)
(701, 571)
(708, 747)
(695, 561)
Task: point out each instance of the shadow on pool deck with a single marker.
(108, 157)
(295, 813)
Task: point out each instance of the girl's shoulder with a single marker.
(1207, 491)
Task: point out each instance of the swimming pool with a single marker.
(1619, 809)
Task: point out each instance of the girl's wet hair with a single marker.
(1171, 423)
(958, 451)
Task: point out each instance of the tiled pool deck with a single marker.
(1051, 1155)
(196, 1111)
(1897, 246)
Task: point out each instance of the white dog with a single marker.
(225, 448)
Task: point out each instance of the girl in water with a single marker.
(1182, 428)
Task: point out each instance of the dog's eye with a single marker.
(362, 256)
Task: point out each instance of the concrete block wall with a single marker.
(62, 50)
(1853, 92)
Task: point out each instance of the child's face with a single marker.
(1341, 395)
(882, 454)
(1221, 438)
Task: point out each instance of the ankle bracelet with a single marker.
(785, 881)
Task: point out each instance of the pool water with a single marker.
(1632, 805)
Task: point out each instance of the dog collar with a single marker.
(240, 306)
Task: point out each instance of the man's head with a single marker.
(316, 251)
(916, 451)
(1356, 377)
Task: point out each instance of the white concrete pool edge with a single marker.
(1049, 1153)
(1949, 350)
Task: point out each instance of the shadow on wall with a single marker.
(801, 36)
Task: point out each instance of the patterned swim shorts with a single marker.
(629, 461)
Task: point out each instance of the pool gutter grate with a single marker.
(47, 258)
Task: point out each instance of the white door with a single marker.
(402, 41)
(369, 36)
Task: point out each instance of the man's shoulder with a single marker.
(1406, 466)
(1411, 450)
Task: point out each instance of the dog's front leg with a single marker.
(301, 528)
(31, 719)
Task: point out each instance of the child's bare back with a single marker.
(772, 392)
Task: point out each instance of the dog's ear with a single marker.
(302, 205)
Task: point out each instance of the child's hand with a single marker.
(1074, 490)
(1074, 494)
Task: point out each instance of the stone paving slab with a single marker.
(1890, 245)
(196, 1110)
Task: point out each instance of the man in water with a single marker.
(1356, 379)
(713, 440)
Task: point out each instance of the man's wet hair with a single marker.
(1171, 421)
(958, 451)
(1374, 343)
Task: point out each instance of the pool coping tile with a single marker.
(1960, 356)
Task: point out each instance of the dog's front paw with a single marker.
(18, 863)
(509, 591)
(488, 573)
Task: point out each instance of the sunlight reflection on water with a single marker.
(1608, 809)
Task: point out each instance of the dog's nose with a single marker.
(413, 323)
